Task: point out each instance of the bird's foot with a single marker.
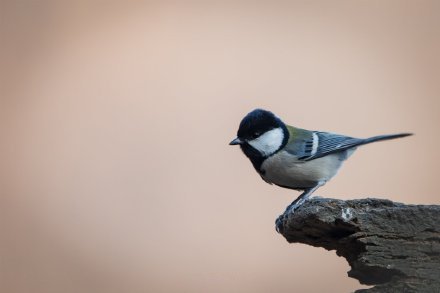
(294, 206)
(279, 223)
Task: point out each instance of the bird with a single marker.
(295, 158)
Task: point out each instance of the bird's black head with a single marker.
(256, 123)
(260, 135)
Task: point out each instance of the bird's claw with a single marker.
(279, 224)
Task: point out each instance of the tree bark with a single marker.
(394, 246)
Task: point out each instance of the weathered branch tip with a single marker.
(394, 246)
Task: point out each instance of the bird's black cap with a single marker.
(257, 122)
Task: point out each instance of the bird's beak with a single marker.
(236, 141)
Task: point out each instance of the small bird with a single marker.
(292, 157)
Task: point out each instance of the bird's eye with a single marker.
(255, 135)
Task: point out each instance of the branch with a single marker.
(391, 245)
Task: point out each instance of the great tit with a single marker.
(292, 157)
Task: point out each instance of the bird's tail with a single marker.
(385, 137)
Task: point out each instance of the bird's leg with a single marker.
(301, 199)
(295, 204)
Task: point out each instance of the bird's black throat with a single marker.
(254, 156)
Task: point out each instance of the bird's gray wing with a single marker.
(320, 144)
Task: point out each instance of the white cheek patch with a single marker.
(269, 142)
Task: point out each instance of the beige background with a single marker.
(116, 117)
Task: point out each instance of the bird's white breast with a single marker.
(286, 170)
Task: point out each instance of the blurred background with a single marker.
(116, 172)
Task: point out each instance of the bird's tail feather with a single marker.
(385, 137)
